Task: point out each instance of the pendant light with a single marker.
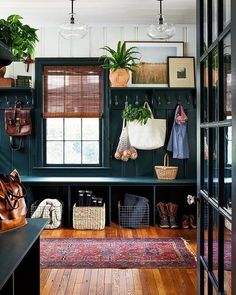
(71, 27)
(161, 30)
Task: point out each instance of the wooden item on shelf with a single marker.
(7, 82)
(166, 171)
(89, 217)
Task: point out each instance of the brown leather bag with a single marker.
(12, 202)
(17, 124)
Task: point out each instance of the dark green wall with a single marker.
(163, 102)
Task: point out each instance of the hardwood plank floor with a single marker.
(120, 281)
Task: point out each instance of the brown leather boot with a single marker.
(172, 211)
(161, 208)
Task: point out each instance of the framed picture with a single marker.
(152, 69)
(181, 71)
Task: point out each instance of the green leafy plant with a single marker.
(121, 58)
(20, 38)
(141, 114)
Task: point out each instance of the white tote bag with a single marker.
(147, 136)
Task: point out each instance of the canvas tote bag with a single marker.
(147, 136)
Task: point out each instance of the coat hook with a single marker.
(179, 99)
(188, 99)
(136, 100)
(126, 101)
(159, 100)
(116, 101)
(7, 101)
(168, 100)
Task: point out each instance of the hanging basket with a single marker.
(166, 171)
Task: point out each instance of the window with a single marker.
(72, 141)
(73, 103)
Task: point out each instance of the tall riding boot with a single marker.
(161, 208)
(172, 212)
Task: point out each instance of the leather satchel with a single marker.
(17, 124)
(12, 202)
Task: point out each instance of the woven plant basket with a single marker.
(166, 171)
(89, 217)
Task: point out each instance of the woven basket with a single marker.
(166, 171)
(89, 217)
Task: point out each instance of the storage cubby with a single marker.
(118, 193)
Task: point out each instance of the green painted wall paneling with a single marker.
(162, 100)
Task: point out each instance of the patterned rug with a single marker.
(116, 253)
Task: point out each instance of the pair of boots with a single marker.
(167, 214)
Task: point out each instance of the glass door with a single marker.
(215, 147)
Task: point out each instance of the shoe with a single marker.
(192, 221)
(185, 221)
(163, 216)
(172, 212)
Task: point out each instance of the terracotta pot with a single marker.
(119, 78)
(2, 71)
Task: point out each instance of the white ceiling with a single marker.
(99, 12)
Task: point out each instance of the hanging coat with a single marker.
(178, 141)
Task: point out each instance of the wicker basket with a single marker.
(89, 217)
(166, 171)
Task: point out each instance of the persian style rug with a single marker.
(116, 253)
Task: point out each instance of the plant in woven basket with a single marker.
(141, 114)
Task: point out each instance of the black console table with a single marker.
(20, 259)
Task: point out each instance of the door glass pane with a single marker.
(54, 129)
(215, 87)
(205, 26)
(215, 164)
(214, 19)
(72, 152)
(54, 152)
(227, 77)
(205, 156)
(227, 257)
(204, 99)
(205, 215)
(226, 12)
(215, 246)
(227, 167)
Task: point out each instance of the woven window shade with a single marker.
(72, 91)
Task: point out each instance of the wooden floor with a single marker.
(120, 281)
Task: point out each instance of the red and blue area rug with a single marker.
(116, 253)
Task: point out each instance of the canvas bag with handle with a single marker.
(12, 202)
(147, 136)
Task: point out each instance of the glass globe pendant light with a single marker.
(71, 27)
(161, 30)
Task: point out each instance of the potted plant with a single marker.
(119, 62)
(19, 37)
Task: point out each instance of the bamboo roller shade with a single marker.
(73, 91)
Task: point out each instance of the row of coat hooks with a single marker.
(137, 101)
(11, 101)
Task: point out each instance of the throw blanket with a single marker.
(178, 142)
(51, 209)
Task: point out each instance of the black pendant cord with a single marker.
(72, 19)
(161, 20)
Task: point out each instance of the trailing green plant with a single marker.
(121, 58)
(141, 114)
(19, 37)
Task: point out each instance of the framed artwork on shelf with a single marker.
(181, 71)
(152, 68)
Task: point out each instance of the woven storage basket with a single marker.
(166, 171)
(89, 217)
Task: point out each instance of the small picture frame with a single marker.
(181, 71)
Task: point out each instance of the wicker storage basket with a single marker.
(89, 217)
(166, 171)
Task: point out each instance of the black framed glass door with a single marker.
(215, 146)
